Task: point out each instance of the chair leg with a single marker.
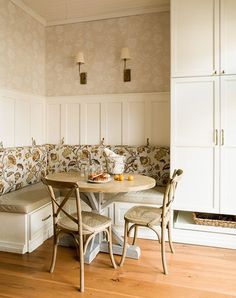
(135, 234)
(163, 253)
(170, 237)
(54, 256)
(124, 244)
(110, 248)
(81, 256)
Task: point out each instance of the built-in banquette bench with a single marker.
(25, 210)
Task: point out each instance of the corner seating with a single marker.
(25, 210)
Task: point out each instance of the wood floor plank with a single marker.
(194, 272)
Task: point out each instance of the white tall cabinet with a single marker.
(203, 37)
(203, 105)
(195, 116)
(227, 36)
(228, 147)
(195, 38)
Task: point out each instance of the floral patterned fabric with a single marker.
(68, 158)
(152, 161)
(21, 166)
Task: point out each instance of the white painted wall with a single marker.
(22, 116)
(121, 119)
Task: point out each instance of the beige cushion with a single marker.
(149, 196)
(144, 215)
(25, 200)
(92, 222)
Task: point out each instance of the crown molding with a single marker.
(29, 11)
(112, 15)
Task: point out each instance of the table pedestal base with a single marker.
(97, 246)
(133, 251)
(91, 253)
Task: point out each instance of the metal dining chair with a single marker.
(153, 218)
(79, 224)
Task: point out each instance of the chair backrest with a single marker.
(58, 207)
(170, 194)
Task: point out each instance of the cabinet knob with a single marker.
(214, 72)
(223, 72)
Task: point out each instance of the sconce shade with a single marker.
(80, 58)
(125, 54)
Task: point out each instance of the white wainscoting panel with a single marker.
(121, 119)
(7, 121)
(114, 123)
(160, 122)
(22, 123)
(92, 124)
(22, 117)
(38, 121)
(54, 123)
(136, 123)
(70, 124)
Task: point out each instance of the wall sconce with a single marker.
(125, 55)
(79, 61)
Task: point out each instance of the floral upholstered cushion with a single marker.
(151, 161)
(21, 166)
(71, 157)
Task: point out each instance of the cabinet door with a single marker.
(195, 110)
(228, 40)
(195, 37)
(228, 147)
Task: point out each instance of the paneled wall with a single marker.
(118, 118)
(22, 116)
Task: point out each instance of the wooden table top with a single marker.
(140, 182)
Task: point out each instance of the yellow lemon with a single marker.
(130, 178)
(121, 177)
(116, 177)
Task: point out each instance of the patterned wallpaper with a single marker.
(22, 54)
(147, 36)
(22, 50)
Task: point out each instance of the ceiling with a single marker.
(53, 12)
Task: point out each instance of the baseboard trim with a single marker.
(204, 238)
(37, 241)
(190, 237)
(13, 247)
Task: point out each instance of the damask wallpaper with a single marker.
(22, 50)
(23, 54)
(147, 37)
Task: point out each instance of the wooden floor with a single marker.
(194, 271)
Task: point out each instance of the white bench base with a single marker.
(21, 233)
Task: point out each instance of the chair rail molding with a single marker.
(121, 119)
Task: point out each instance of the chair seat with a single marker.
(92, 222)
(148, 196)
(144, 215)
